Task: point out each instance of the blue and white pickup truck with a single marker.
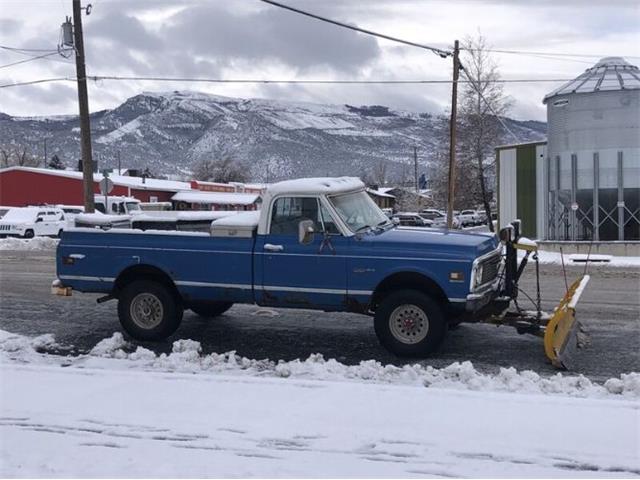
(315, 244)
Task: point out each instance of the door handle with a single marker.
(273, 248)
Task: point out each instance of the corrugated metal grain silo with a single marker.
(593, 155)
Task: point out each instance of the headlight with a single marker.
(478, 278)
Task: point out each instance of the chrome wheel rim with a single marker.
(146, 310)
(409, 324)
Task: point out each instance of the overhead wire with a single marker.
(442, 53)
(26, 60)
(310, 81)
(35, 82)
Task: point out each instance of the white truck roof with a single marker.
(316, 186)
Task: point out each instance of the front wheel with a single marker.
(149, 310)
(410, 323)
(210, 309)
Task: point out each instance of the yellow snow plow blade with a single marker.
(563, 333)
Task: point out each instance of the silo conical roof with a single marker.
(609, 74)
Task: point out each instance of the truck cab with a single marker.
(116, 205)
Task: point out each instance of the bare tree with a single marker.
(225, 170)
(379, 173)
(17, 156)
(483, 101)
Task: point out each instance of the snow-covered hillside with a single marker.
(278, 139)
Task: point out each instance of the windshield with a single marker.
(133, 206)
(20, 215)
(359, 211)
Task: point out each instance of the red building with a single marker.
(21, 186)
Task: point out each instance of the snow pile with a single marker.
(29, 244)
(187, 357)
(580, 259)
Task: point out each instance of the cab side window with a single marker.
(327, 221)
(288, 212)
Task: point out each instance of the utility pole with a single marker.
(83, 101)
(45, 152)
(119, 169)
(452, 134)
(415, 167)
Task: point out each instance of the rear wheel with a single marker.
(210, 309)
(149, 310)
(29, 234)
(410, 323)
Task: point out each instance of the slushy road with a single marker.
(610, 310)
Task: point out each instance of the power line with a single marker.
(281, 81)
(16, 49)
(28, 60)
(312, 82)
(35, 82)
(19, 52)
(437, 51)
(549, 54)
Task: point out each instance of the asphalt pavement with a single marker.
(609, 309)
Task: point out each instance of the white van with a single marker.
(117, 205)
(29, 222)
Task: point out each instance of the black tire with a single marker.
(419, 310)
(210, 309)
(149, 310)
(29, 234)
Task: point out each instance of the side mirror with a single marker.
(39, 219)
(306, 232)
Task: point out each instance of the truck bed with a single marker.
(201, 266)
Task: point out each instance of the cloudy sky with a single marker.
(250, 39)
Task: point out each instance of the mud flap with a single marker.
(563, 334)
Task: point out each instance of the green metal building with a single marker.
(521, 183)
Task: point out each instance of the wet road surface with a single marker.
(609, 309)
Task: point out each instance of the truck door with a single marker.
(304, 275)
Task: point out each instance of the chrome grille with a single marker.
(490, 269)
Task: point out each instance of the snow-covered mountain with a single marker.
(168, 131)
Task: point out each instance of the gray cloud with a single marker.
(212, 30)
(124, 31)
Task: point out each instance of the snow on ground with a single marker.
(115, 353)
(22, 244)
(580, 259)
(113, 413)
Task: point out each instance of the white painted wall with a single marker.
(541, 191)
(507, 208)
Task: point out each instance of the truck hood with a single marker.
(425, 242)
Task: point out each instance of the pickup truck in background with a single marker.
(316, 244)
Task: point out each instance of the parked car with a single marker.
(29, 222)
(4, 210)
(441, 222)
(70, 213)
(431, 213)
(410, 219)
(320, 244)
(468, 218)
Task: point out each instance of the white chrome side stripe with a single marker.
(188, 283)
(86, 278)
(274, 288)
